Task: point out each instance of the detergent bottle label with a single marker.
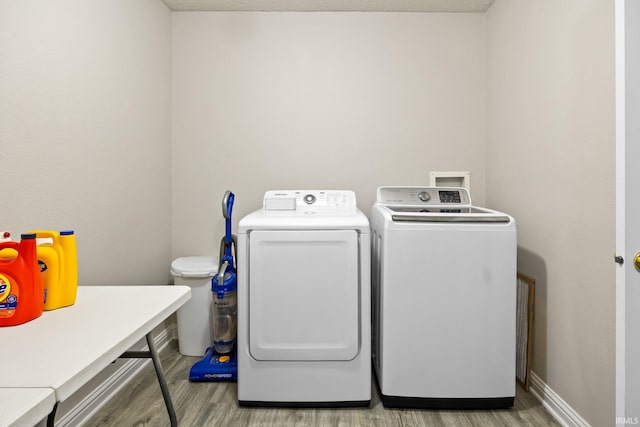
(43, 267)
(8, 297)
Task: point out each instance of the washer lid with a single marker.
(446, 214)
(434, 204)
(194, 266)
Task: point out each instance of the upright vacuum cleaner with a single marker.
(220, 362)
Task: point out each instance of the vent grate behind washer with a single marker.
(526, 291)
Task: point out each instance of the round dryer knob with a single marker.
(424, 196)
(309, 199)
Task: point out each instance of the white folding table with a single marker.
(65, 348)
(25, 406)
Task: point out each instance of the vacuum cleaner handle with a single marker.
(227, 204)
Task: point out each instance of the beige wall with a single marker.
(318, 100)
(550, 162)
(85, 131)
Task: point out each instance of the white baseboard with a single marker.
(97, 397)
(559, 409)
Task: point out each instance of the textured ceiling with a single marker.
(475, 6)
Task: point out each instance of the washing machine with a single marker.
(304, 301)
(444, 300)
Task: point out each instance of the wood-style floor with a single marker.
(140, 403)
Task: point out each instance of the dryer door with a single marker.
(303, 295)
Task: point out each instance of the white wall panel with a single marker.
(550, 162)
(318, 100)
(85, 131)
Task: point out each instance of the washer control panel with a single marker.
(412, 196)
(293, 199)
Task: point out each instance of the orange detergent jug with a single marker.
(21, 291)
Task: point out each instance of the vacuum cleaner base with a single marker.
(215, 367)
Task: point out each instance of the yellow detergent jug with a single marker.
(70, 267)
(51, 262)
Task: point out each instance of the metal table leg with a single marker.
(51, 418)
(153, 354)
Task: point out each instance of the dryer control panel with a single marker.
(423, 196)
(294, 199)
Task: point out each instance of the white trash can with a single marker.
(195, 317)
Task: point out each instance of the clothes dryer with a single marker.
(304, 301)
(444, 292)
